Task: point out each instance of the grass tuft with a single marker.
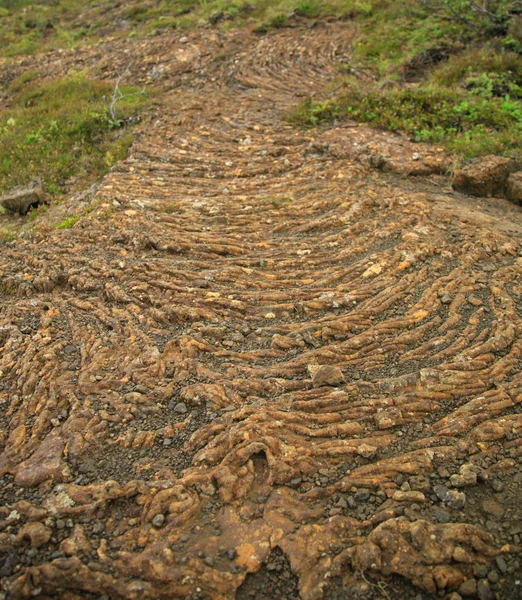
(61, 131)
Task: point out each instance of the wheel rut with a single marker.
(161, 435)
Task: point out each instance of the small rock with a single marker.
(501, 564)
(468, 588)
(514, 187)
(456, 499)
(231, 553)
(413, 496)
(98, 527)
(158, 521)
(493, 576)
(441, 492)
(366, 451)
(484, 590)
(323, 375)
(20, 199)
(480, 571)
(467, 476)
(497, 485)
(361, 495)
(209, 561)
(485, 176)
(492, 507)
(181, 408)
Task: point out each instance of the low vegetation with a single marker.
(450, 74)
(445, 71)
(63, 132)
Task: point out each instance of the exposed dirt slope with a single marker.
(165, 430)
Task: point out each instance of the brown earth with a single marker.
(259, 367)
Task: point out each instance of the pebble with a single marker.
(480, 571)
(451, 498)
(467, 476)
(181, 408)
(158, 521)
(98, 527)
(492, 507)
(497, 485)
(325, 375)
(468, 588)
(414, 496)
(361, 495)
(493, 576)
(440, 514)
(484, 590)
(501, 564)
(231, 553)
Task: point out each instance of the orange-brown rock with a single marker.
(486, 176)
(161, 433)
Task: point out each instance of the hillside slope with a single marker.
(257, 366)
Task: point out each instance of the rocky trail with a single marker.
(260, 367)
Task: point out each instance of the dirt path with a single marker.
(165, 428)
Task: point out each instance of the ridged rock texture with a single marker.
(258, 354)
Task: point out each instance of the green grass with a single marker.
(68, 223)
(61, 131)
(7, 235)
(468, 102)
(32, 27)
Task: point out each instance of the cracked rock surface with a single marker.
(260, 367)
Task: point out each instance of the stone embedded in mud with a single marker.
(514, 187)
(325, 375)
(486, 176)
